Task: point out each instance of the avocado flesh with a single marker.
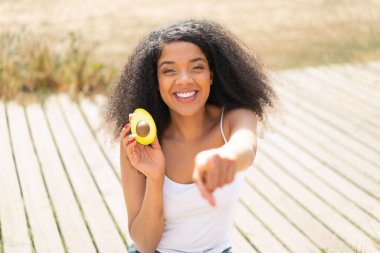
(143, 126)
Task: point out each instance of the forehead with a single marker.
(180, 51)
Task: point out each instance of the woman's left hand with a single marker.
(213, 168)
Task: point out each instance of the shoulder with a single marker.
(239, 115)
(239, 118)
(230, 114)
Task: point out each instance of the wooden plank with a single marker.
(14, 228)
(100, 101)
(103, 230)
(348, 86)
(1, 237)
(329, 81)
(71, 223)
(295, 169)
(45, 233)
(314, 145)
(334, 152)
(324, 213)
(352, 91)
(281, 227)
(334, 102)
(300, 217)
(362, 74)
(356, 80)
(353, 129)
(259, 236)
(91, 111)
(239, 243)
(375, 65)
(106, 179)
(353, 97)
(336, 136)
(311, 91)
(345, 188)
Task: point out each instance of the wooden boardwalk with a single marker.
(315, 186)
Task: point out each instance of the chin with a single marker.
(187, 110)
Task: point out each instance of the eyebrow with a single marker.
(193, 60)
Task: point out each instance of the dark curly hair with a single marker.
(238, 77)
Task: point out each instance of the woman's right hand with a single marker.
(148, 159)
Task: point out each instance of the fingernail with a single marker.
(132, 140)
(126, 126)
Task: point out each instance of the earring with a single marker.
(211, 82)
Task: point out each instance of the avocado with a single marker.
(143, 126)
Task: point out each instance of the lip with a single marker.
(187, 99)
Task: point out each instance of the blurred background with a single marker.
(315, 186)
(80, 46)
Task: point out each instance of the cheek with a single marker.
(161, 83)
(163, 87)
(164, 82)
(206, 77)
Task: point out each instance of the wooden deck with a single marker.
(315, 186)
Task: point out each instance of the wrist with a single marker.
(226, 151)
(156, 176)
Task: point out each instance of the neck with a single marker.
(190, 128)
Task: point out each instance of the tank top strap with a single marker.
(221, 125)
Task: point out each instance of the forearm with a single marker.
(146, 229)
(242, 151)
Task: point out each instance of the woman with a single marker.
(206, 93)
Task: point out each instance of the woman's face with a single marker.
(184, 77)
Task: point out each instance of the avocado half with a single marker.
(143, 126)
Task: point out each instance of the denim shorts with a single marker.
(133, 249)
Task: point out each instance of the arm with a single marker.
(217, 167)
(242, 143)
(143, 191)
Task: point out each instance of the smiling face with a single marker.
(184, 77)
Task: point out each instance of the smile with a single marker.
(187, 96)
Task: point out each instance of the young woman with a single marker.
(206, 93)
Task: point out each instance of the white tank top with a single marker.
(191, 224)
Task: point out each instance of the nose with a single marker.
(184, 77)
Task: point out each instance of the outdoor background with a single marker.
(82, 45)
(315, 183)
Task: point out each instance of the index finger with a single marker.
(125, 131)
(202, 188)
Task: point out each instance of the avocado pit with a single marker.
(142, 128)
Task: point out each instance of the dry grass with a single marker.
(287, 34)
(29, 64)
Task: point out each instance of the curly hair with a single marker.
(239, 80)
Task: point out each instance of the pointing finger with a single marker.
(202, 188)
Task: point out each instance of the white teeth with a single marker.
(185, 94)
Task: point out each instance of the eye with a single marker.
(198, 67)
(165, 71)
